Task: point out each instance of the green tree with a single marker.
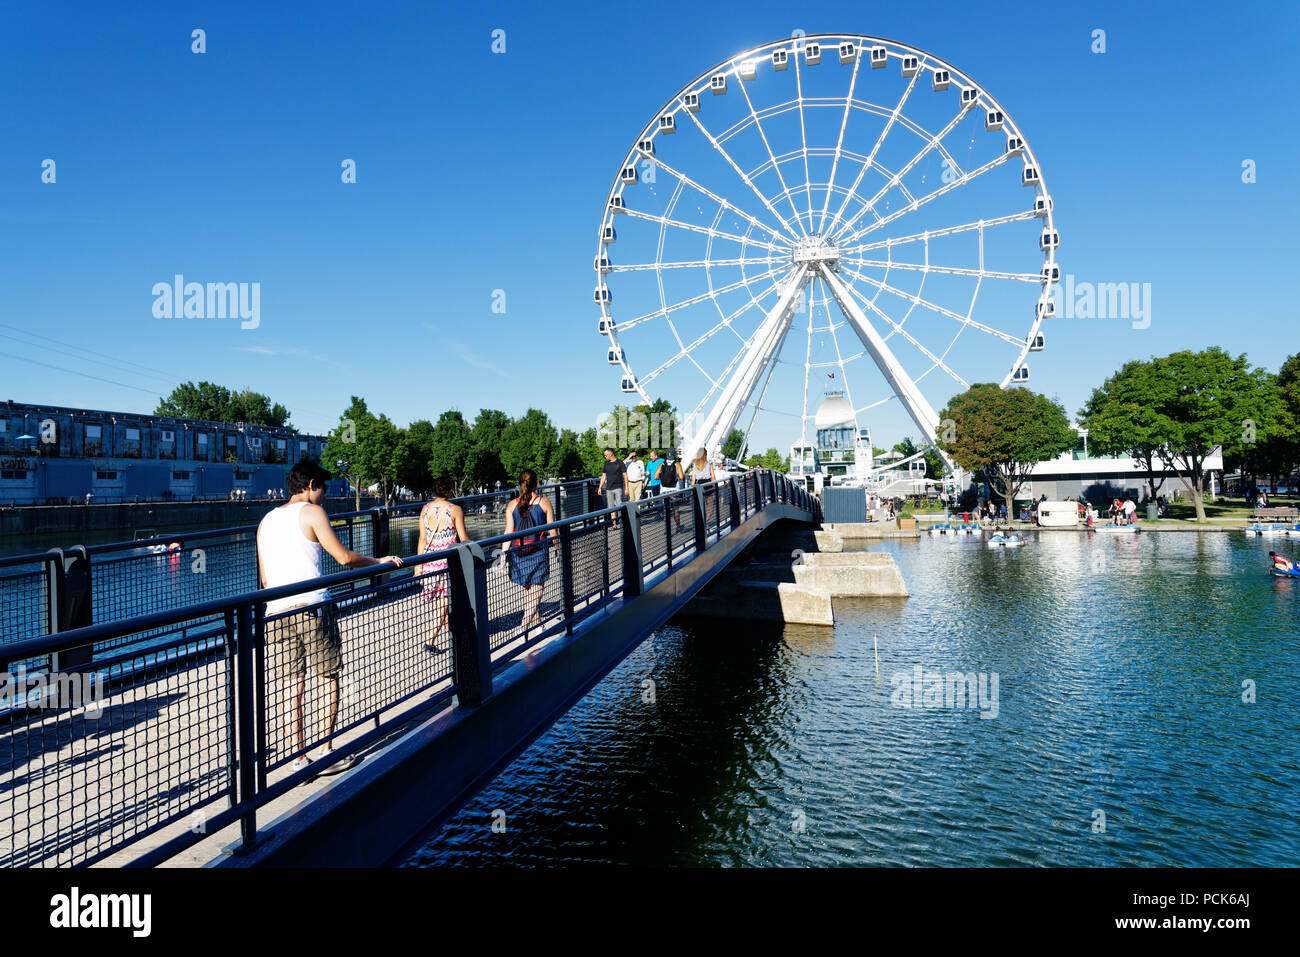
(1206, 400)
(483, 464)
(734, 447)
(591, 451)
(771, 459)
(568, 462)
(640, 428)
(449, 447)
(529, 441)
(1004, 433)
(371, 445)
(416, 474)
(207, 400)
(1121, 420)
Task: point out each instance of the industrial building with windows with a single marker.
(51, 455)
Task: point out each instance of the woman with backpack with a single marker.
(528, 557)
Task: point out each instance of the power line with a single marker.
(85, 375)
(73, 355)
(70, 345)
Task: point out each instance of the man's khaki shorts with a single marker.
(302, 634)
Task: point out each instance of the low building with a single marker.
(1078, 474)
(57, 455)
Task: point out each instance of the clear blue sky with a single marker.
(479, 172)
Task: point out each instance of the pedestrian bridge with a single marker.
(166, 737)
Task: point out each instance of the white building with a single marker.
(842, 452)
(1079, 474)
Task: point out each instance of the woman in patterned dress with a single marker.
(442, 525)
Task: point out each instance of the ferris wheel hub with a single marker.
(816, 249)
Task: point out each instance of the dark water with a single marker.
(1121, 664)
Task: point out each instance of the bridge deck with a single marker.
(192, 709)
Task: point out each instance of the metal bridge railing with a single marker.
(181, 721)
(128, 579)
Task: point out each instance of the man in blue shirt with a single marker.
(652, 467)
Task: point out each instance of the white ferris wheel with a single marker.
(833, 210)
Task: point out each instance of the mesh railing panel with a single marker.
(24, 600)
(149, 744)
(353, 658)
(524, 590)
(654, 540)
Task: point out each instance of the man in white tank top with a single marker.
(290, 543)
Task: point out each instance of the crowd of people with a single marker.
(293, 538)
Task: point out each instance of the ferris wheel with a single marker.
(833, 211)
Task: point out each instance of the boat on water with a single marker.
(1267, 531)
(1117, 528)
(1281, 573)
(1005, 541)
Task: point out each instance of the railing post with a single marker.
(70, 603)
(557, 498)
(471, 639)
(701, 529)
(735, 502)
(632, 578)
(379, 532)
(566, 575)
(244, 699)
(668, 528)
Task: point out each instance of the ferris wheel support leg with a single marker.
(762, 348)
(926, 419)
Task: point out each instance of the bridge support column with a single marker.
(467, 581)
(632, 579)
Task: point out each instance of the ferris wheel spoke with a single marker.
(698, 264)
(803, 137)
(839, 142)
(936, 233)
(727, 322)
(923, 152)
(947, 270)
(962, 180)
(871, 157)
(725, 204)
(664, 221)
(935, 307)
(741, 173)
(758, 125)
(898, 328)
(694, 300)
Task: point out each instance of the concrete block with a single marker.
(781, 602)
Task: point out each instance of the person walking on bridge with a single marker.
(613, 480)
(530, 563)
(635, 476)
(290, 543)
(442, 525)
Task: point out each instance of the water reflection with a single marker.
(1121, 660)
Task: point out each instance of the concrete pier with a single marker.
(789, 580)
